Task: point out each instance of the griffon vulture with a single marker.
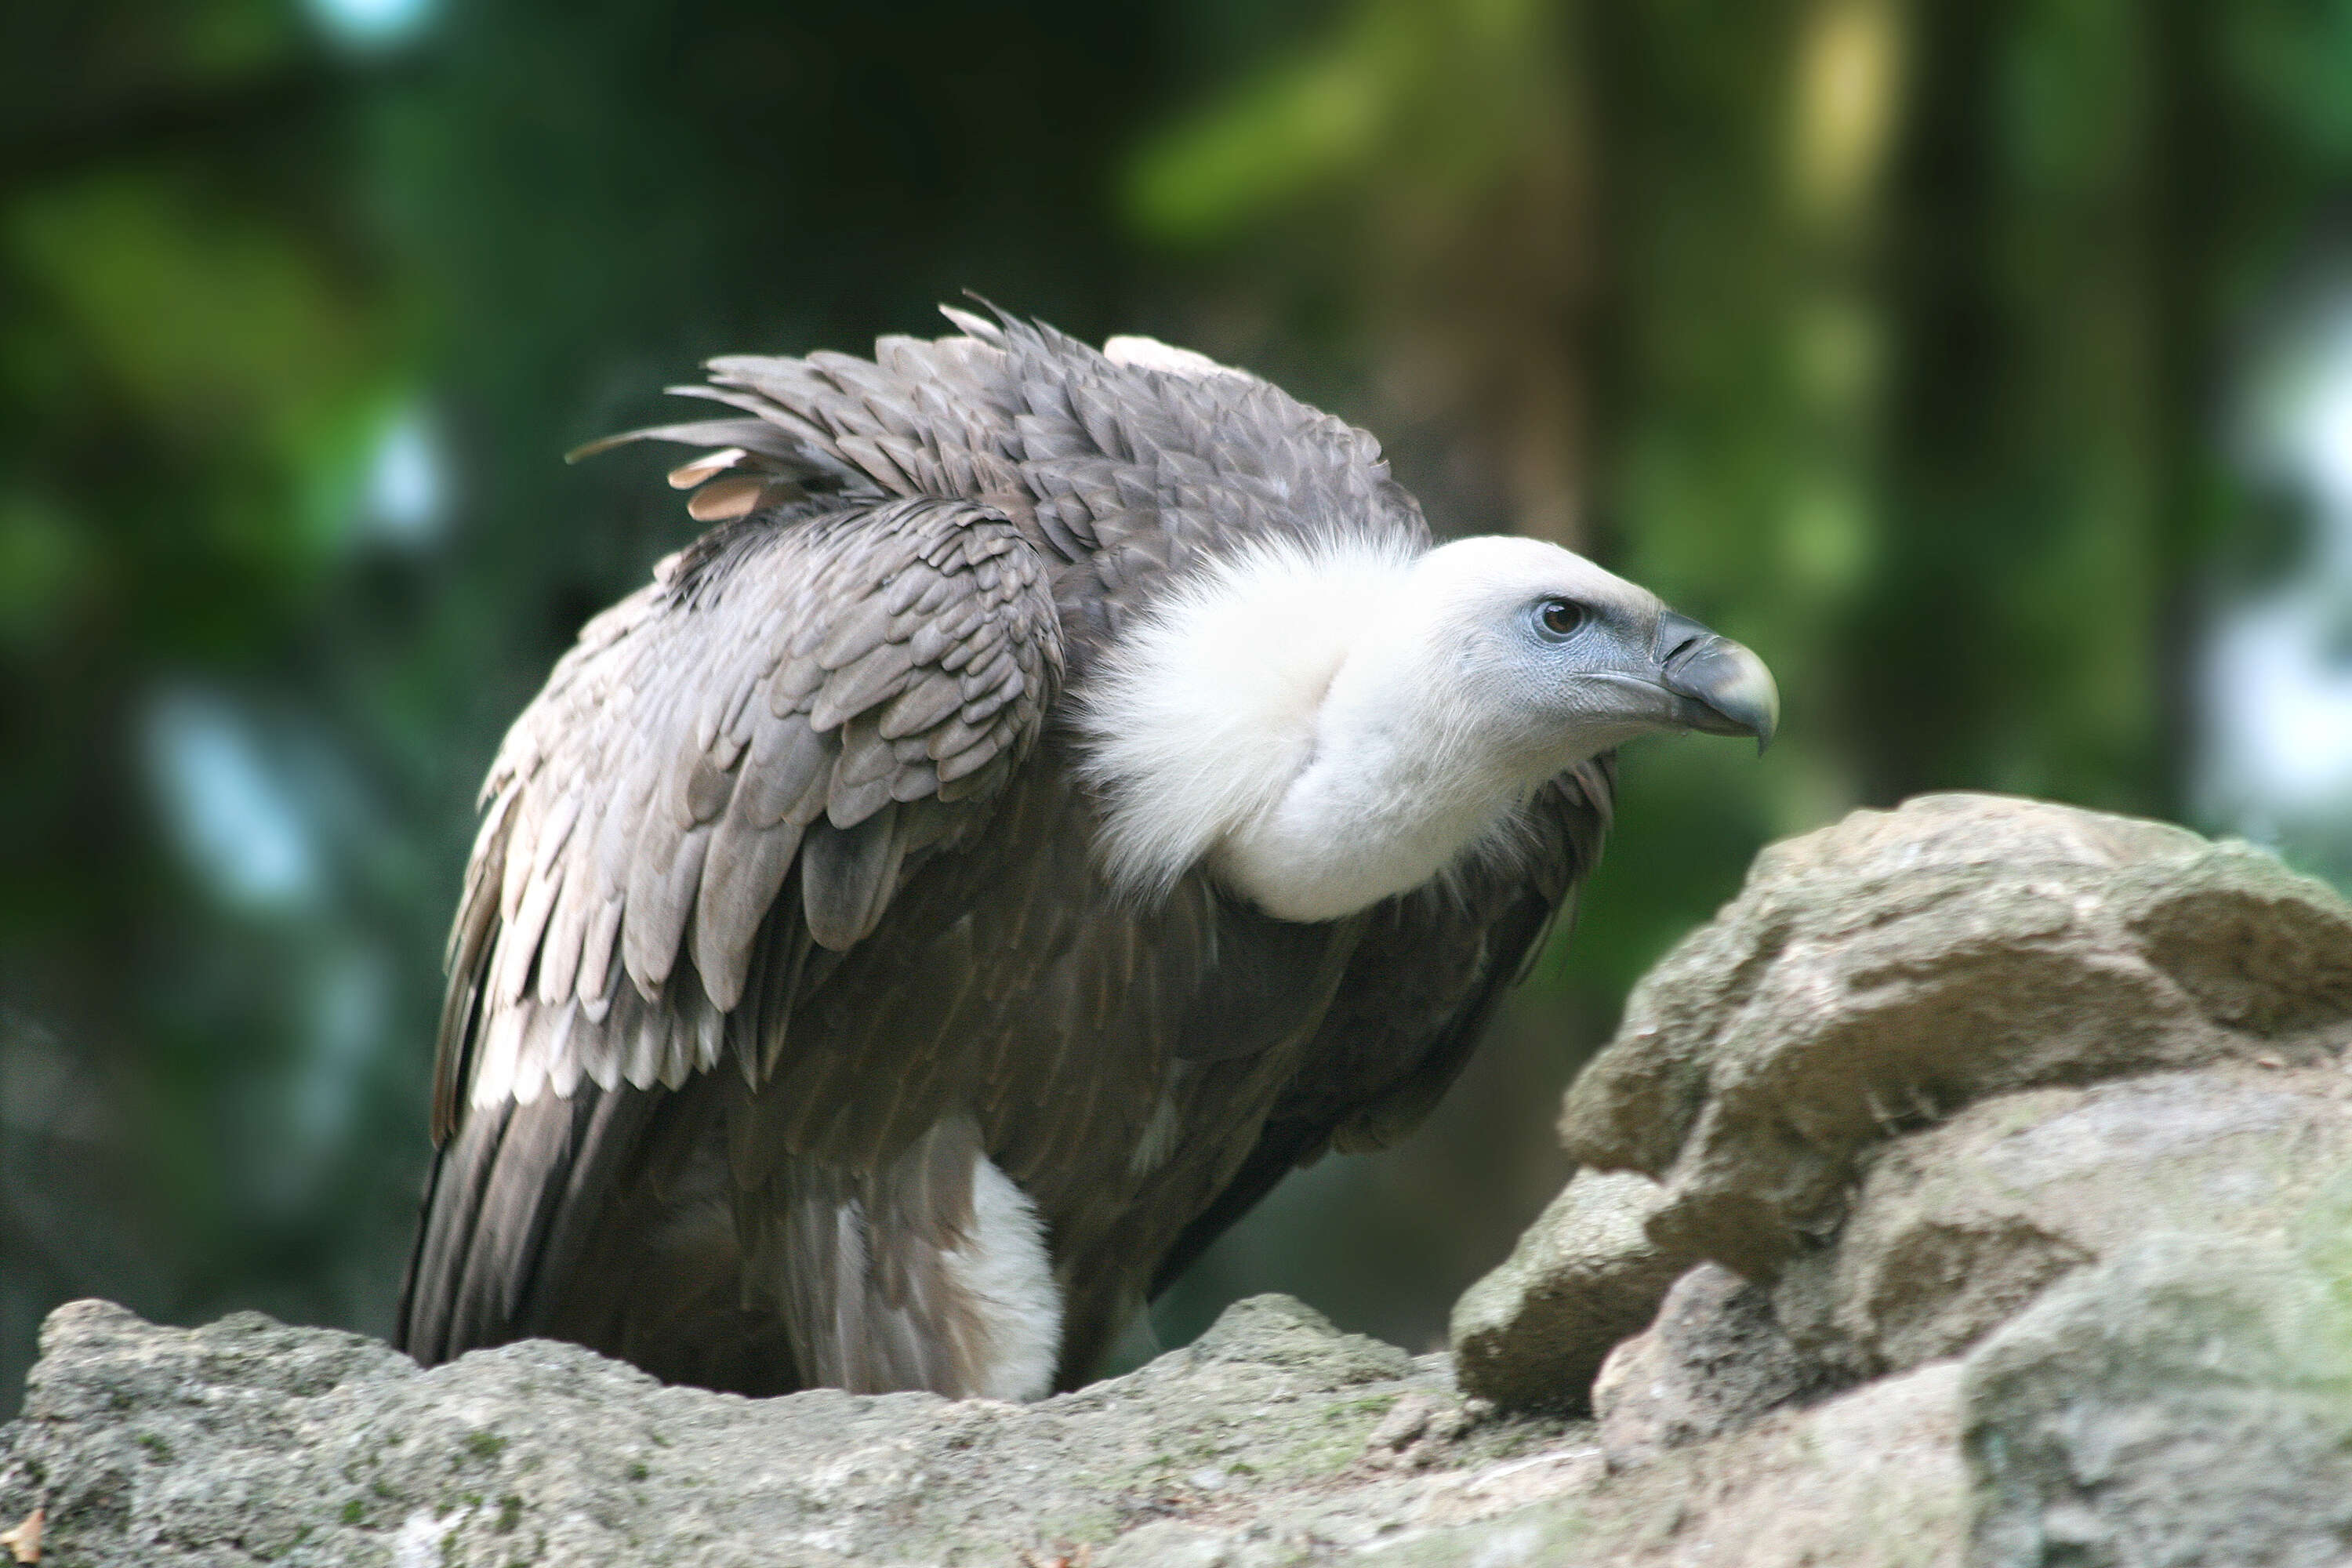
(1064, 792)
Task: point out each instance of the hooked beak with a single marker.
(1725, 689)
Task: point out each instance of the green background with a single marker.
(1973, 362)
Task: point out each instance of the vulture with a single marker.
(1065, 790)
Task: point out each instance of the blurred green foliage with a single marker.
(1897, 340)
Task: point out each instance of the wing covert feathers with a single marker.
(805, 696)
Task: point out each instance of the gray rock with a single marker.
(246, 1440)
(1871, 1479)
(1715, 1360)
(1274, 1442)
(2188, 1402)
(1531, 1334)
(1887, 971)
(1957, 1228)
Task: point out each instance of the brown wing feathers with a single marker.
(1422, 984)
(712, 738)
(780, 700)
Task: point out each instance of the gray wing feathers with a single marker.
(776, 697)
(922, 418)
(846, 874)
(854, 1262)
(1124, 469)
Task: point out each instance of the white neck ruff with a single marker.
(1285, 720)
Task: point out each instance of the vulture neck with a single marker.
(1381, 804)
(1297, 723)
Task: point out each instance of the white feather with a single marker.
(1207, 708)
(497, 1078)
(1007, 1280)
(1150, 353)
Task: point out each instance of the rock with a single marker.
(1274, 1442)
(1957, 1228)
(2188, 1402)
(1871, 1479)
(1885, 972)
(1531, 1334)
(1715, 1361)
(1418, 1429)
(247, 1439)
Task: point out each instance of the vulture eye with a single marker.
(1558, 618)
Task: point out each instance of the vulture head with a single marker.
(1326, 723)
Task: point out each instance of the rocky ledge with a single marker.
(1976, 1188)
